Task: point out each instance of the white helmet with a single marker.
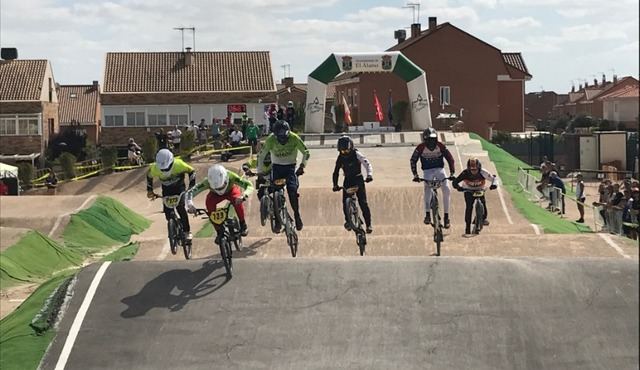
(164, 160)
(218, 179)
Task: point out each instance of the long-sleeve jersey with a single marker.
(431, 158)
(234, 179)
(351, 166)
(473, 181)
(283, 154)
(172, 183)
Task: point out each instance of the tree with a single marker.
(68, 164)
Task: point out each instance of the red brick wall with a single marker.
(450, 58)
(20, 144)
(511, 94)
(540, 105)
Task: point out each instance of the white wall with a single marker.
(621, 110)
(613, 147)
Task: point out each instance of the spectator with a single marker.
(176, 137)
(4, 188)
(245, 123)
(235, 137)
(215, 130)
(51, 182)
(161, 137)
(556, 182)
(252, 136)
(603, 200)
(545, 170)
(615, 209)
(280, 114)
(272, 113)
(134, 152)
(226, 154)
(580, 196)
(290, 113)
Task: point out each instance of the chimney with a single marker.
(604, 79)
(287, 81)
(579, 87)
(573, 88)
(415, 30)
(586, 84)
(595, 82)
(95, 84)
(400, 35)
(433, 23)
(8, 53)
(188, 57)
(615, 79)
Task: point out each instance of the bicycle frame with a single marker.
(354, 218)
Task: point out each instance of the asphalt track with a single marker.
(354, 313)
(511, 298)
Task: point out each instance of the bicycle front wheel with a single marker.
(186, 247)
(225, 255)
(354, 219)
(264, 209)
(479, 217)
(439, 238)
(173, 235)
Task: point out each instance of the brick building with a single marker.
(464, 74)
(145, 91)
(28, 107)
(80, 107)
(539, 105)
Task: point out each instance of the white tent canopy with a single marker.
(8, 171)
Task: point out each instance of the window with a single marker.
(28, 126)
(135, 119)
(445, 95)
(178, 119)
(114, 120)
(157, 119)
(8, 126)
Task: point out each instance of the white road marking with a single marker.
(613, 245)
(536, 229)
(164, 252)
(77, 322)
(59, 219)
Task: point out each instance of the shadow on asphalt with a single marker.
(159, 292)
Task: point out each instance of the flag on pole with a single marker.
(377, 107)
(347, 112)
(390, 110)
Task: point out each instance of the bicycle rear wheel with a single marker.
(173, 235)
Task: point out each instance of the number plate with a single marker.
(218, 216)
(280, 182)
(478, 194)
(352, 190)
(171, 201)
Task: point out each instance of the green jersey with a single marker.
(234, 179)
(286, 154)
(172, 182)
(252, 132)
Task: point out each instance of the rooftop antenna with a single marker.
(414, 6)
(193, 32)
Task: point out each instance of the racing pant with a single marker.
(438, 174)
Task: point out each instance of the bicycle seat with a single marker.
(352, 190)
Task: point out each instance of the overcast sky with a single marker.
(561, 40)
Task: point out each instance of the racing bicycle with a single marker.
(273, 206)
(353, 217)
(438, 235)
(174, 225)
(229, 233)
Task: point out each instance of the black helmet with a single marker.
(474, 163)
(345, 145)
(281, 131)
(429, 133)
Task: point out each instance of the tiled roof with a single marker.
(219, 71)
(411, 40)
(82, 107)
(21, 79)
(575, 96)
(630, 91)
(516, 61)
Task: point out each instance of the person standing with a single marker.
(51, 182)
(252, 136)
(161, 138)
(215, 130)
(580, 196)
(176, 137)
(290, 112)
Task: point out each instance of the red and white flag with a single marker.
(347, 112)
